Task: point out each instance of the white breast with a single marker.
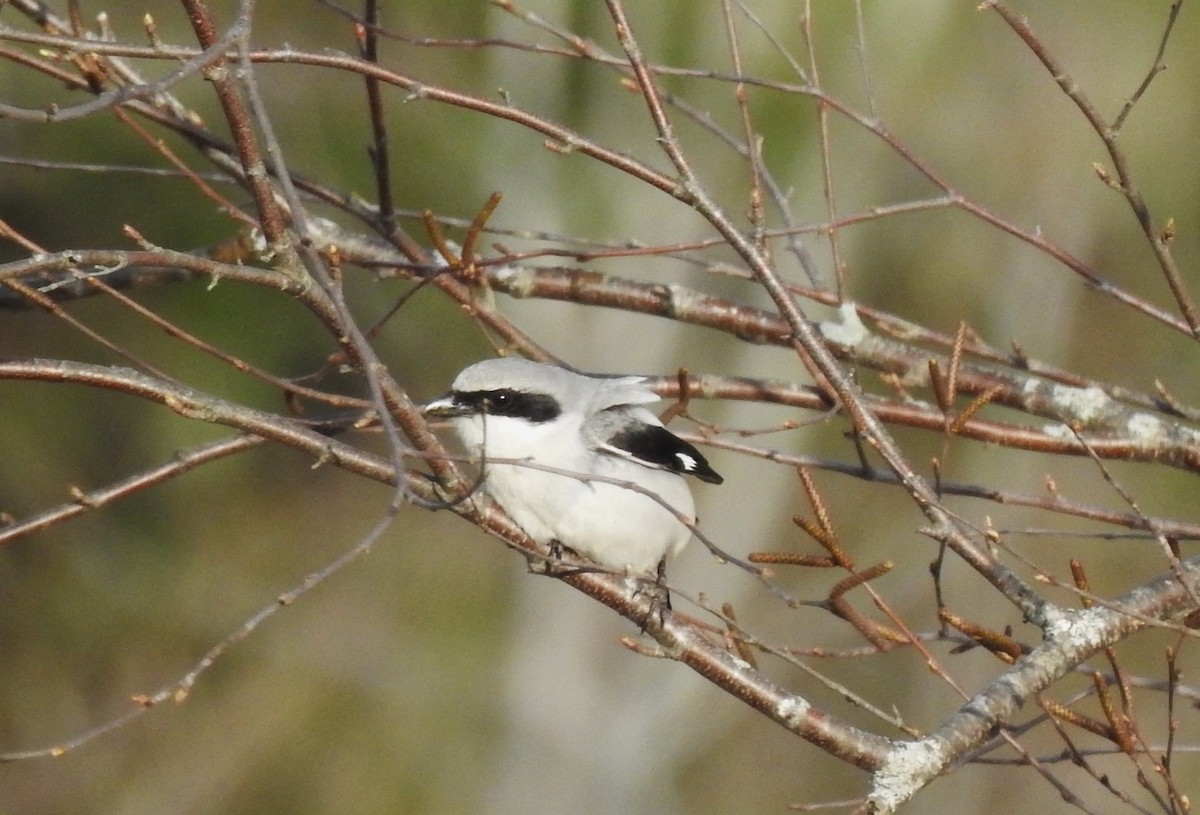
(617, 527)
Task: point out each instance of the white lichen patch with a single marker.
(1146, 430)
(906, 769)
(518, 281)
(1082, 630)
(848, 330)
(1057, 430)
(792, 711)
(1080, 404)
(1189, 436)
(682, 300)
(742, 664)
(1079, 407)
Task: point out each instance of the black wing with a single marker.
(659, 447)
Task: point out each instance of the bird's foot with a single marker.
(658, 594)
(556, 565)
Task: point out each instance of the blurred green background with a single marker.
(434, 675)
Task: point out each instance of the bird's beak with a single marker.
(446, 408)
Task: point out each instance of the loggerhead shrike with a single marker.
(578, 425)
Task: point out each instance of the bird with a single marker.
(589, 438)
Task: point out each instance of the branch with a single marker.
(1071, 638)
